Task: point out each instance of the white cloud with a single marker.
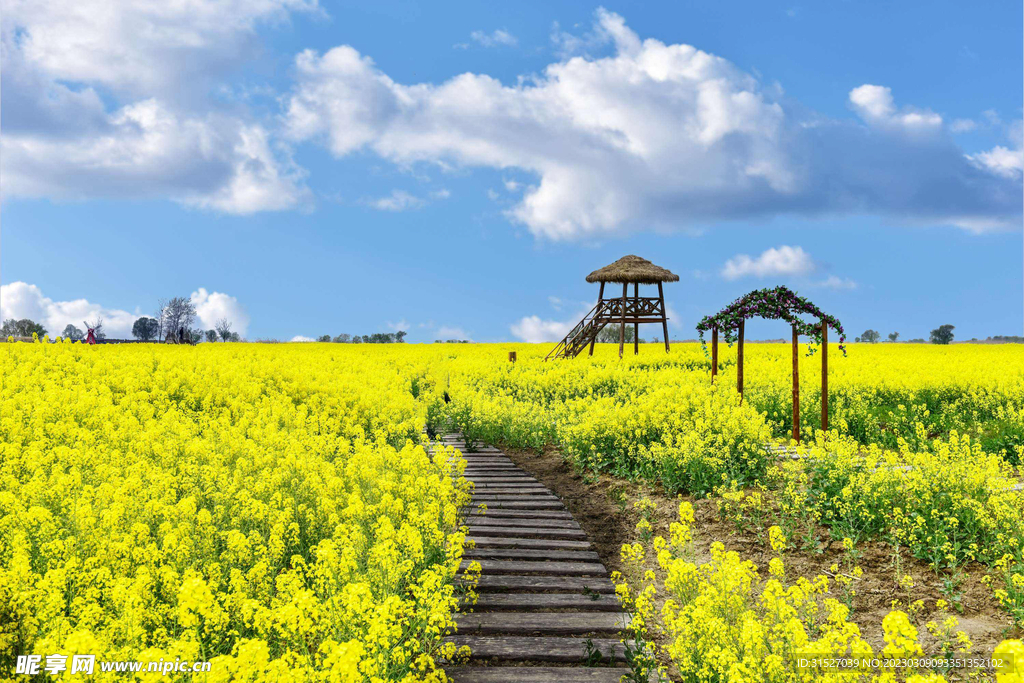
(875, 105)
(212, 306)
(511, 185)
(836, 282)
(398, 200)
(499, 37)
(651, 137)
(402, 324)
(1006, 162)
(152, 134)
(556, 302)
(21, 300)
(533, 329)
(137, 45)
(963, 125)
(449, 332)
(781, 261)
(302, 338)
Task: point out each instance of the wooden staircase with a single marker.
(586, 330)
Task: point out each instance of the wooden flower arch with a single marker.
(779, 303)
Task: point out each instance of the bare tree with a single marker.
(161, 305)
(178, 314)
(223, 328)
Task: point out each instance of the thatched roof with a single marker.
(632, 269)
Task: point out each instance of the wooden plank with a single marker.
(591, 602)
(484, 520)
(520, 532)
(492, 498)
(491, 469)
(525, 487)
(535, 674)
(501, 513)
(538, 648)
(542, 623)
(552, 568)
(520, 542)
(505, 479)
(515, 495)
(523, 505)
(527, 554)
(503, 583)
(528, 486)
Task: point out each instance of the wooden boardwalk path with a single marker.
(543, 592)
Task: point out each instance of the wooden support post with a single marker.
(714, 353)
(600, 298)
(664, 315)
(511, 356)
(622, 328)
(739, 362)
(824, 376)
(796, 385)
(636, 326)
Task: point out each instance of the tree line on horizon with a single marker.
(375, 338)
(943, 334)
(173, 322)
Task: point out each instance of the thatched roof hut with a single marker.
(629, 269)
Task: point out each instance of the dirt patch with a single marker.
(603, 506)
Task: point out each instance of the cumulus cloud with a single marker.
(213, 306)
(533, 329)
(497, 38)
(138, 46)
(1006, 162)
(400, 200)
(652, 136)
(836, 282)
(780, 261)
(151, 134)
(302, 338)
(963, 125)
(452, 332)
(21, 300)
(145, 150)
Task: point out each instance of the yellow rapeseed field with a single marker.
(272, 508)
(269, 508)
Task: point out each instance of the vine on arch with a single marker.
(776, 303)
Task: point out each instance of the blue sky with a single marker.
(304, 169)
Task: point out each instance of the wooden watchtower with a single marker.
(620, 310)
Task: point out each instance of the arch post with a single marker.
(824, 376)
(714, 353)
(739, 362)
(796, 385)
